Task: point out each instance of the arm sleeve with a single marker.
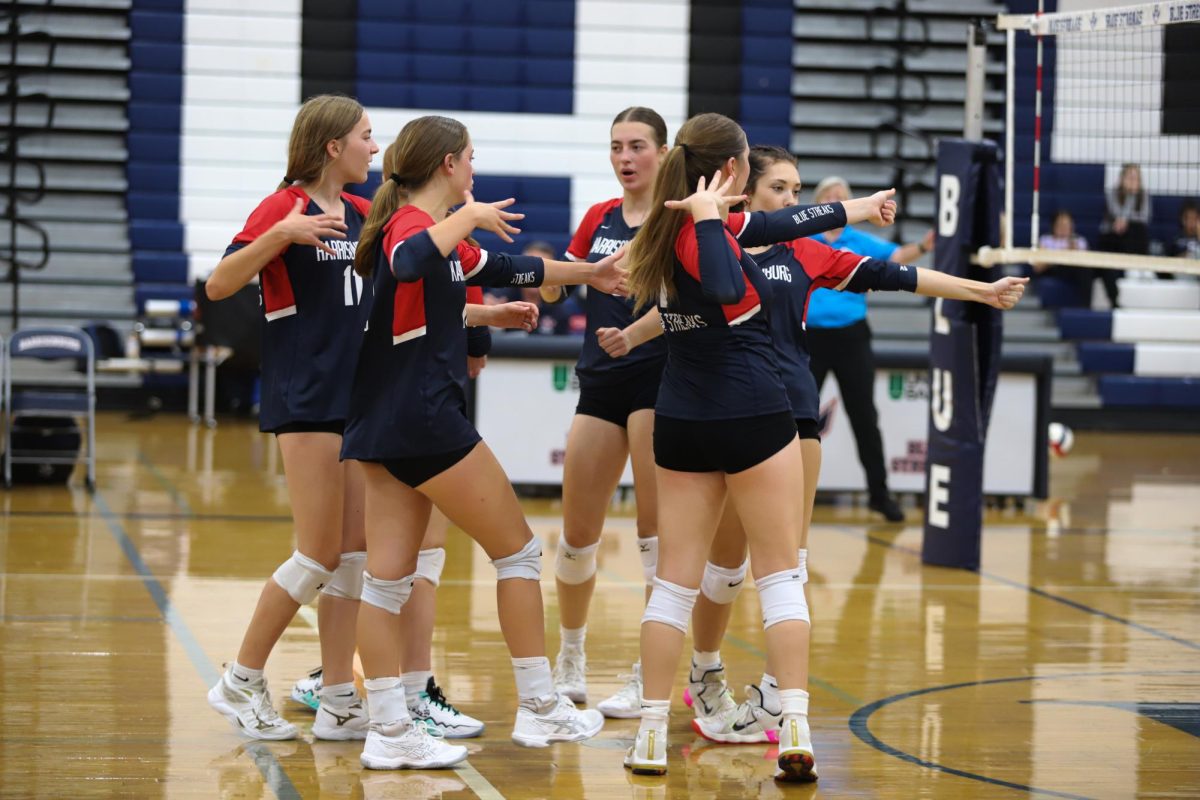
(758, 228)
(486, 268)
(710, 255)
(411, 254)
(479, 337)
(848, 272)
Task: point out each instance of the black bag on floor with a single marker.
(47, 437)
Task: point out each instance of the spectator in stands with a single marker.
(1059, 286)
(839, 339)
(1126, 223)
(1186, 243)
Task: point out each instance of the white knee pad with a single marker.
(574, 565)
(388, 595)
(648, 550)
(525, 563)
(301, 577)
(430, 563)
(722, 584)
(802, 562)
(782, 598)
(347, 580)
(670, 604)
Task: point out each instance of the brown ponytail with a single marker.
(320, 120)
(702, 146)
(409, 163)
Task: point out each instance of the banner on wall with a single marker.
(902, 400)
(526, 398)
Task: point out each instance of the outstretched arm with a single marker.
(1002, 294)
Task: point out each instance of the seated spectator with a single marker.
(1056, 285)
(1186, 243)
(1126, 226)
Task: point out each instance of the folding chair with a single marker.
(50, 343)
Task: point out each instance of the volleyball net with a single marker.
(1092, 94)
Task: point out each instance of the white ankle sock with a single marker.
(533, 676)
(572, 638)
(415, 683)
(339, 694)
(794, 702)
(770, 692)
(706, 660)
(654, 715)
(240, 676)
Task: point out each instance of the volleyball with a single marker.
(1061, 439)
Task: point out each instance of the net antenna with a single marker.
(1108, 86)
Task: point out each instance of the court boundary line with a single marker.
(1034, 590)
(274, 775)
(860, 724)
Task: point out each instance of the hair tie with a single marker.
(686, 152)
(287, 179)
(396, 179)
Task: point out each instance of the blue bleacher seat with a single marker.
(545, 190)
(1083, 323)
(559, 72)
(155, 116)
(452, 39)
(496, 69)
(1114, 357)
(156, 57)
(535, 100)
(550, 13)
(151, 86)
(155, 25)
(440, 95)
(438, 68)
(768, 79)
(153, 205)
(159, 267)
(765, 109)
(155, 146)
(770, 50)
(768, 21)
(384, 38)
(380, 65)
(1133, 390)
(769, 134)
(155, 234)
(492, 98)
(455, 11)
(152, 177)
(385, 9)
(386, 94)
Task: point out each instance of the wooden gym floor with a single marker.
(1068, 667)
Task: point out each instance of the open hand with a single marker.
(300, 228)
(610, 275)
(709, 196)
(492, 216)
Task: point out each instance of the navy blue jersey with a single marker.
(312, 321)
(794, 270)
(603, 232)
(721, 360)
(409, 392)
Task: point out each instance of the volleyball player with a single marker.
(793, 269)
(408, 427)
(614, 419)
(301, 242)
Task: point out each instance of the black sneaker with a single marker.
(888, 507)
